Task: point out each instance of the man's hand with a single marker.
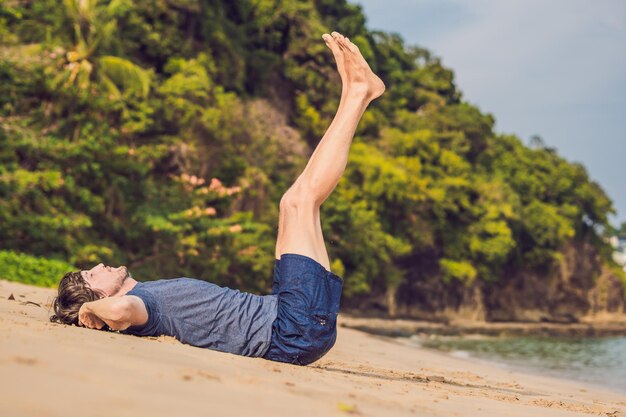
(119, 313)
(87, 318)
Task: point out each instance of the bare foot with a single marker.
(338, 54)
(356, 75)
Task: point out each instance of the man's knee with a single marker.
(297, 197)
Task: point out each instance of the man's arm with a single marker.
(119, 313)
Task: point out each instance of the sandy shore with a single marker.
(53, 370)
(614, 325)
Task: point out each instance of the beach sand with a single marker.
(54, 370)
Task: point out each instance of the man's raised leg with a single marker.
(299, 228)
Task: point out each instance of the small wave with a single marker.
(460, 354)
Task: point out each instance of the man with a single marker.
(297, 322)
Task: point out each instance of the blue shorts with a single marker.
(308, 303)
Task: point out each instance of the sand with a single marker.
(54, 370)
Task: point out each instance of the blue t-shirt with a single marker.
(206, 315)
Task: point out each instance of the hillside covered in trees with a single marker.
(161, 134)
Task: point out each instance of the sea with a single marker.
(597, 361)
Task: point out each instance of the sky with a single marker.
(553, 68)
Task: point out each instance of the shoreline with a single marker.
(413, 332)
(58, 370)
(514, 367)
(401, 327)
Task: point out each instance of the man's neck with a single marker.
(128, 284)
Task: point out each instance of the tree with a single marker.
(168, 147)
(93, 27)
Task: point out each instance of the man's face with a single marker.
(105, 278)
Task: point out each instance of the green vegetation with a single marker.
(161, 135)
(32, 269)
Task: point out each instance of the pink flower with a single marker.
(215, 184)
(233, 190)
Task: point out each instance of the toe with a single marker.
(351, 45)
(337, 41)
(338, 38)
(345, 43)
(337, 35)
(331, 43)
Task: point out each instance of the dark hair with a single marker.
(74, 291)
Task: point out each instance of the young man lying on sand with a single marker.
(297, 323)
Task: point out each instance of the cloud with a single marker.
(555, 68)
(560, 51)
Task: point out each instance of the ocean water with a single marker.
(598, 361)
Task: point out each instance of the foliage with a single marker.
(33, 270)
(161, 135)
